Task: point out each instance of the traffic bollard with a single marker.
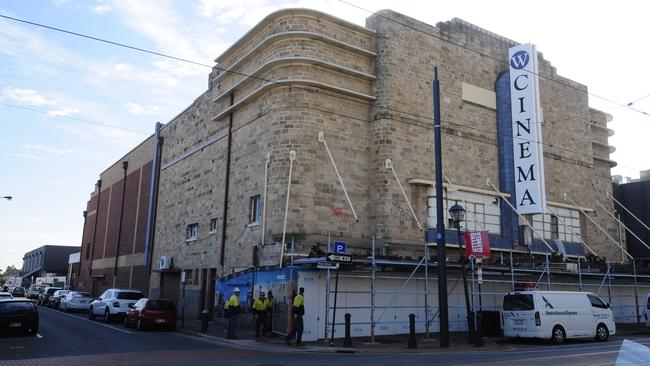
(205, 315)
(347, 341)
(412, 342)
(479, 329)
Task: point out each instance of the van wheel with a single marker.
(558, 336)
(602, 333)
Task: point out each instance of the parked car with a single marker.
(556, 315)
(75, 301)
(148, 313)
(55, 299)
(44, 297)
(17, 291)
(34, 291)
(113, 303)
(5, 295)
(18, 315)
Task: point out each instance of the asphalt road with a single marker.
(72, 340)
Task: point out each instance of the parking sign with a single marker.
(339, 247)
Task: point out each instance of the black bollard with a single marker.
(412, 342)
(205, 315)
(479, 329)
(347, 341)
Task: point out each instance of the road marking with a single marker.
(90, 321)
(38, 335)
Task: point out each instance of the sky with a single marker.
(70, 107)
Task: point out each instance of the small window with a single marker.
(213, 226)
(188, 275)
(255, 211)
(192, 232)
(518, 302)
(597, 302)
(555, 227)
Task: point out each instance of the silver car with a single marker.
(75, 301)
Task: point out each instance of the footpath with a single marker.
(383, 344)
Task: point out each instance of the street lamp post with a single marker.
(457, 213)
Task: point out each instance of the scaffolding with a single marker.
(621, 285)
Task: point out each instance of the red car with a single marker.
(148, 313)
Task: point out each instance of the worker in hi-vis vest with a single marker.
(232, 309)
(259, 309)
(298, 310)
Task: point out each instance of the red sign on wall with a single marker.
(477, 244)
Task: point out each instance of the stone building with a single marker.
(309, 96)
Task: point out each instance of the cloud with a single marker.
(24, 96)
(26, 156)
(137, 109)
(102, 8)
(51, 150)
(62, 112)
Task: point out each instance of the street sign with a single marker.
(327, 265)
(477, 244)
(339, 258)
(339, 247)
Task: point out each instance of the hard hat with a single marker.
(236, 289)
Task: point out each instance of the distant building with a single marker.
(48, 259)
(635, 196)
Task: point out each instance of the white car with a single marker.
(113, 303)
(556, 315)
(5, 295)
(75, 301)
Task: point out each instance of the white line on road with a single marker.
(90, 321)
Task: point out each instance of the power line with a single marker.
(75, 119)
(490, 56)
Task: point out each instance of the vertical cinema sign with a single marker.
(527, 130)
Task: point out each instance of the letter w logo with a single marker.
(519, 60)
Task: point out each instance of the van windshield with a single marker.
(518, 302)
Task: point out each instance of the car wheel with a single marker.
(139, 325)
(602, 333)
(107, 316)
(91, 313)
(558, 336)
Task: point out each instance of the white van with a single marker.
(556, 315)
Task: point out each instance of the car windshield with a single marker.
(518, 302)
(16, 307)
(129, 295)
(50, 291)
(81, 294)
(164, 305)
(5, 296)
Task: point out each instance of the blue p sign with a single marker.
(339, 247)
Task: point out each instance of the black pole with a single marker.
(470, 314)
(479, 318)
(412, 343)
(336, 292)
(347, 341)
(440, 225)
(183, 311)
